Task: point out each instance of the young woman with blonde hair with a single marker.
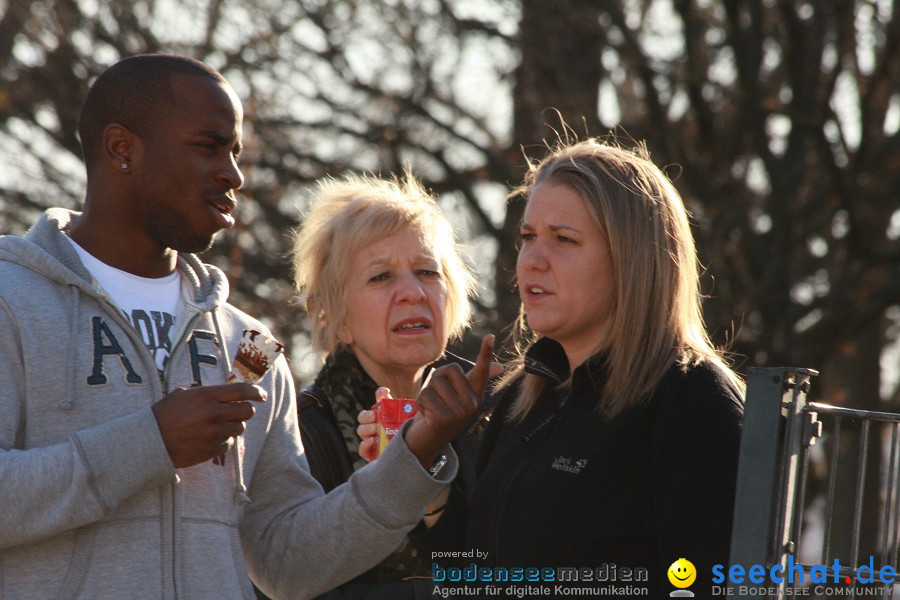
(616, 434)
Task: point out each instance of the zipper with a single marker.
(542, 426)
(164, 380)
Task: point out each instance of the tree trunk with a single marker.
(560, 71)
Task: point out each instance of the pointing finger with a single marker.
(481, 372)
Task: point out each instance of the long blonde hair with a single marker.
(657, 318)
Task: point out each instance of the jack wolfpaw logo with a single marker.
(562, 463)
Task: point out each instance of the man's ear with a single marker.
(120, 147)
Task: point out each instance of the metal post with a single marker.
(760, 469)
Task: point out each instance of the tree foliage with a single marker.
(778, 118)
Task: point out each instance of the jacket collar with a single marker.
(546, 358)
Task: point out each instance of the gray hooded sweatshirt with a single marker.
(90, 503)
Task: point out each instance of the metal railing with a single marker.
(786, 519)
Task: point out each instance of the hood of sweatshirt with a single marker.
(44, 250)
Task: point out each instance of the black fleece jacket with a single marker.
(568, 488)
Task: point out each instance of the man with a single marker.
(119, 475)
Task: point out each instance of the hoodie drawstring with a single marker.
(68, 398)
(240, 492)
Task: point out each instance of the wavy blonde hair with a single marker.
(657, 319)
(350, 213)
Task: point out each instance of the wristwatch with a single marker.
(439, 463)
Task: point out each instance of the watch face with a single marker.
(438, 465)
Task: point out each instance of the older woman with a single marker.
(385, 289)
(614, 443)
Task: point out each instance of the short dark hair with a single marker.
(136, 93)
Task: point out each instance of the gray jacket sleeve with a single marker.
(299, 542)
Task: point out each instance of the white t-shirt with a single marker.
(149, 304)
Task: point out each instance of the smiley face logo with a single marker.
(682, 573)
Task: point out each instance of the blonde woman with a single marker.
(385, 288)
(614, 443)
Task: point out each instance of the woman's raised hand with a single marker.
(449, 400)
(448, 403)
